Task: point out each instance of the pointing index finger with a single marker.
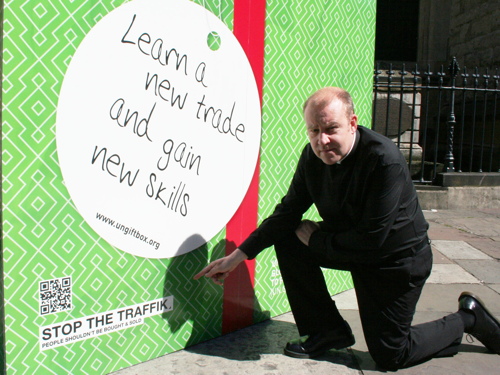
(203, 272)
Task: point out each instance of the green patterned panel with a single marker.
(45, 238)
(309, 44)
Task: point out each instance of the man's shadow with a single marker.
(198, 304)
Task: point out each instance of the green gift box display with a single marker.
(72, 301)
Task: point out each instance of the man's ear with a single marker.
(354, 123)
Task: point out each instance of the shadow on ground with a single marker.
(265, 338)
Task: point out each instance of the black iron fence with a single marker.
(443, 121)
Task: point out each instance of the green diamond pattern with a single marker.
(44, 237)
(309, 44)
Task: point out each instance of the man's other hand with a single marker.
(305, 229)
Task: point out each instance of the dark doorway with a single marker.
(396, 32)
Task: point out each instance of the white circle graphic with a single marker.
(158, 131)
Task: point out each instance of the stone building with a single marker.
(432, 32)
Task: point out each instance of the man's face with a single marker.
(330, 131)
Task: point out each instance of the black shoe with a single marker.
(315, 345)
(487, 328)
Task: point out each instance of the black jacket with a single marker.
(368, 204)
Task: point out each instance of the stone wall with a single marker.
(433, 33)
(458, 198)
(475, 32)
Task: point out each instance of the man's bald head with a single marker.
(323, 97)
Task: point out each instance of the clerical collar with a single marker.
(352, 146)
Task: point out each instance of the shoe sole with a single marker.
(346, 344)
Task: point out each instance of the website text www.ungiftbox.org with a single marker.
(128, 230)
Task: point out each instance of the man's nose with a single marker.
(323, 138)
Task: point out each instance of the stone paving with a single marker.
(466, 247)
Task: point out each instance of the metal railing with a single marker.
(444, 121)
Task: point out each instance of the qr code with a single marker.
(55, 295)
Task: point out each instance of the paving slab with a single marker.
(346, 300)
(458, 250)
(487, 271)
(479, 226)
(448, 215)
(441, 231)
(483, 223)
(495, 287)
(444, 297)
(487, 245)
(490, 211)
(438, 257)
(450, 274)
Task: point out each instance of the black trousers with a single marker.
(387, 295)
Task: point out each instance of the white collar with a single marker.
(352, 146)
